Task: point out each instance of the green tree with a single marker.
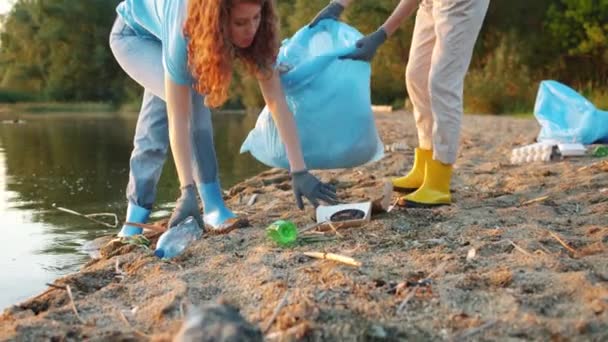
(59, 50)
(579, 28)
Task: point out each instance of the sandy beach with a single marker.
(520, 255)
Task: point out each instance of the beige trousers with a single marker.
(444, 36)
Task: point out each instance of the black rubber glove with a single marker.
(187, 205)
(307, 185)
(331, 11)
(367, 46)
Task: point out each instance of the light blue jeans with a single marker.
(141, 58)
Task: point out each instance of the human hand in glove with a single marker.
(331, 11)
(187, 205)
(307, 185)
(367, 46)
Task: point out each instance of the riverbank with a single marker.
(28, 109)
(521, 254)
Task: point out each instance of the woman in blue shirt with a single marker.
(182, 53)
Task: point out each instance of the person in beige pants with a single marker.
(444, 36)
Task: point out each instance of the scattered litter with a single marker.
(175, 240)
(601, 151)
(382, 108)
(535, 152)
(397, 147)
(282, 232)
(546, 151)
(471, 254)
(571, 150)
(348, 215)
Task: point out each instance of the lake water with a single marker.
(80, 162)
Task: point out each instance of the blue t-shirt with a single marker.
(163, 19)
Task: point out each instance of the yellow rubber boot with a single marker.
(413, 180)
(435, 189)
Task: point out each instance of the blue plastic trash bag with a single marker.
(330, 100)
(566, 116)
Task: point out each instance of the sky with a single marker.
(5, 6)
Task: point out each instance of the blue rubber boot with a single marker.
(214, 210)
(135, 214)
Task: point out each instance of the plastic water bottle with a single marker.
(176, 239)
(601, 151)
(282, 232)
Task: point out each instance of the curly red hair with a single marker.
(211, 54)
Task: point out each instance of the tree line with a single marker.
(57, 50)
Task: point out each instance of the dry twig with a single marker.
(562, 242)
(412, 292)
(91, 217)
(523, 251)
(276, 311)
(311, 227)
(334, 229)
(252, 200)
(470, 332)
(124, 319)
(73, 305)
(334, 257)
(536, 200)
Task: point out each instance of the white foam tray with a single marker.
(324, 212)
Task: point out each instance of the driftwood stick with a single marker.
(105, 215)
(90, 217)
(59, 287)
(334, 257)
